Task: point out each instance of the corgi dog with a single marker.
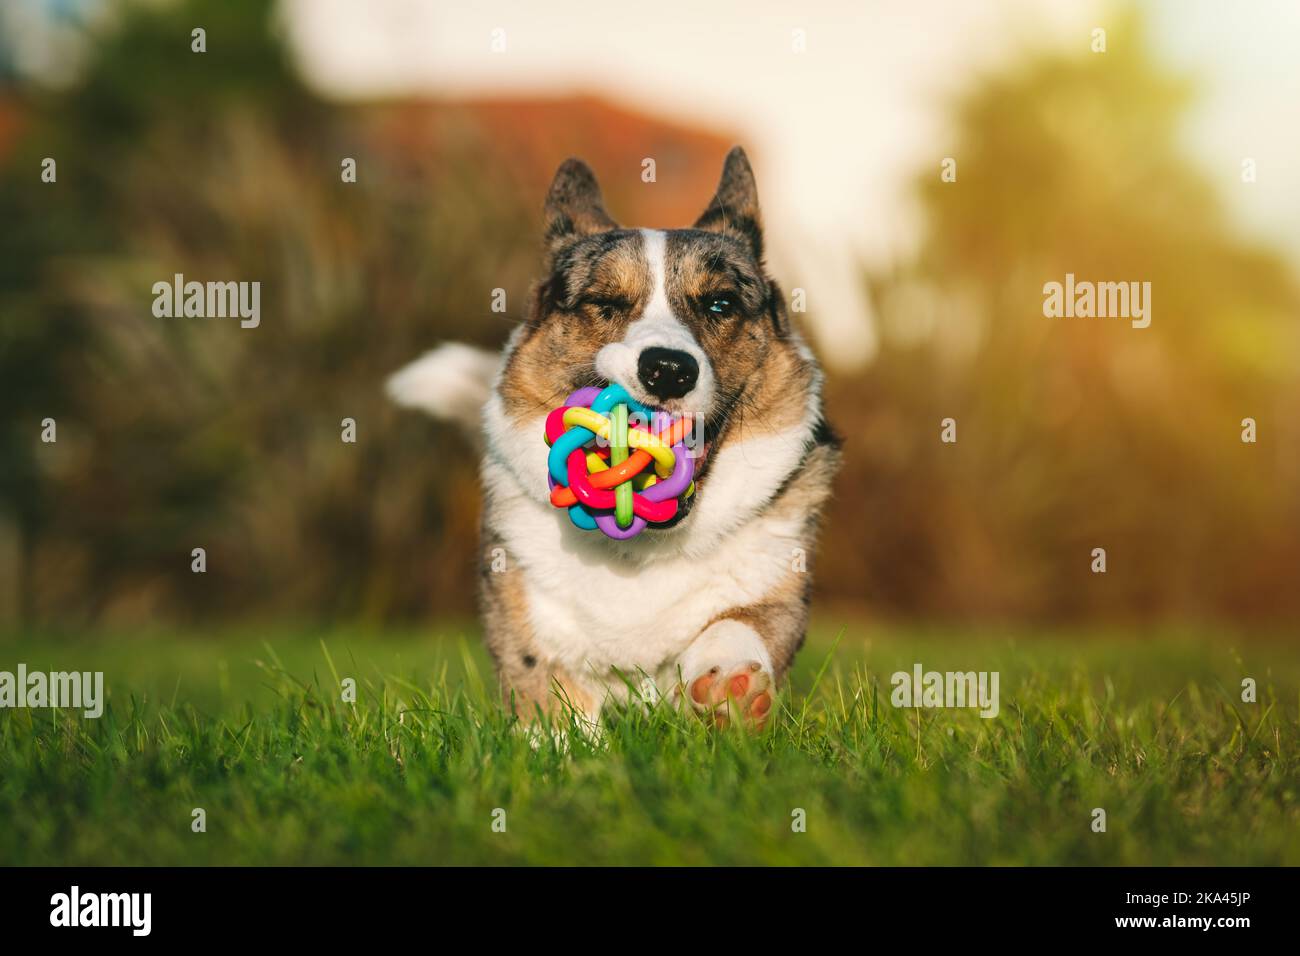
(706, 610)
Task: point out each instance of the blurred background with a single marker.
(924, 297)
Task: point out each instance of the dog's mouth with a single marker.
(707, 436)
(701, 439)
(685, 505)
(695, 444)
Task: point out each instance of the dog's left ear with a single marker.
(734, 208)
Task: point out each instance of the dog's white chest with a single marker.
(595, 612)
(600, 605)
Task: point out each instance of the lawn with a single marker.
(251, 728)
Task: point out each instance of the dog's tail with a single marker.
(453, 383)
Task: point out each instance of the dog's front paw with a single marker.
(740, 692)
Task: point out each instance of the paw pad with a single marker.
(741, 692)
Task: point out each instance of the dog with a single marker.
(708, 610)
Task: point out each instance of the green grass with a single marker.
(252, 729)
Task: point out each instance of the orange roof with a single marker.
(533, 136)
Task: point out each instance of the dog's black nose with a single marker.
(667, 373)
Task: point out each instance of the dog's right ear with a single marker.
(573, 206)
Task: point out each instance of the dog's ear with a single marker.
(573, 206)
(734, 208)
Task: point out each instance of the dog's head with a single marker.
(687, 320)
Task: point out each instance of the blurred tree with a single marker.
(100, 507)
(1074, 433)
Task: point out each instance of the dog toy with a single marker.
(599, 465)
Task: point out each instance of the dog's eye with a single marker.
(607, 309)
(720, 305)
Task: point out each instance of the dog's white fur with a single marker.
(616, 362)
(600, 607)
